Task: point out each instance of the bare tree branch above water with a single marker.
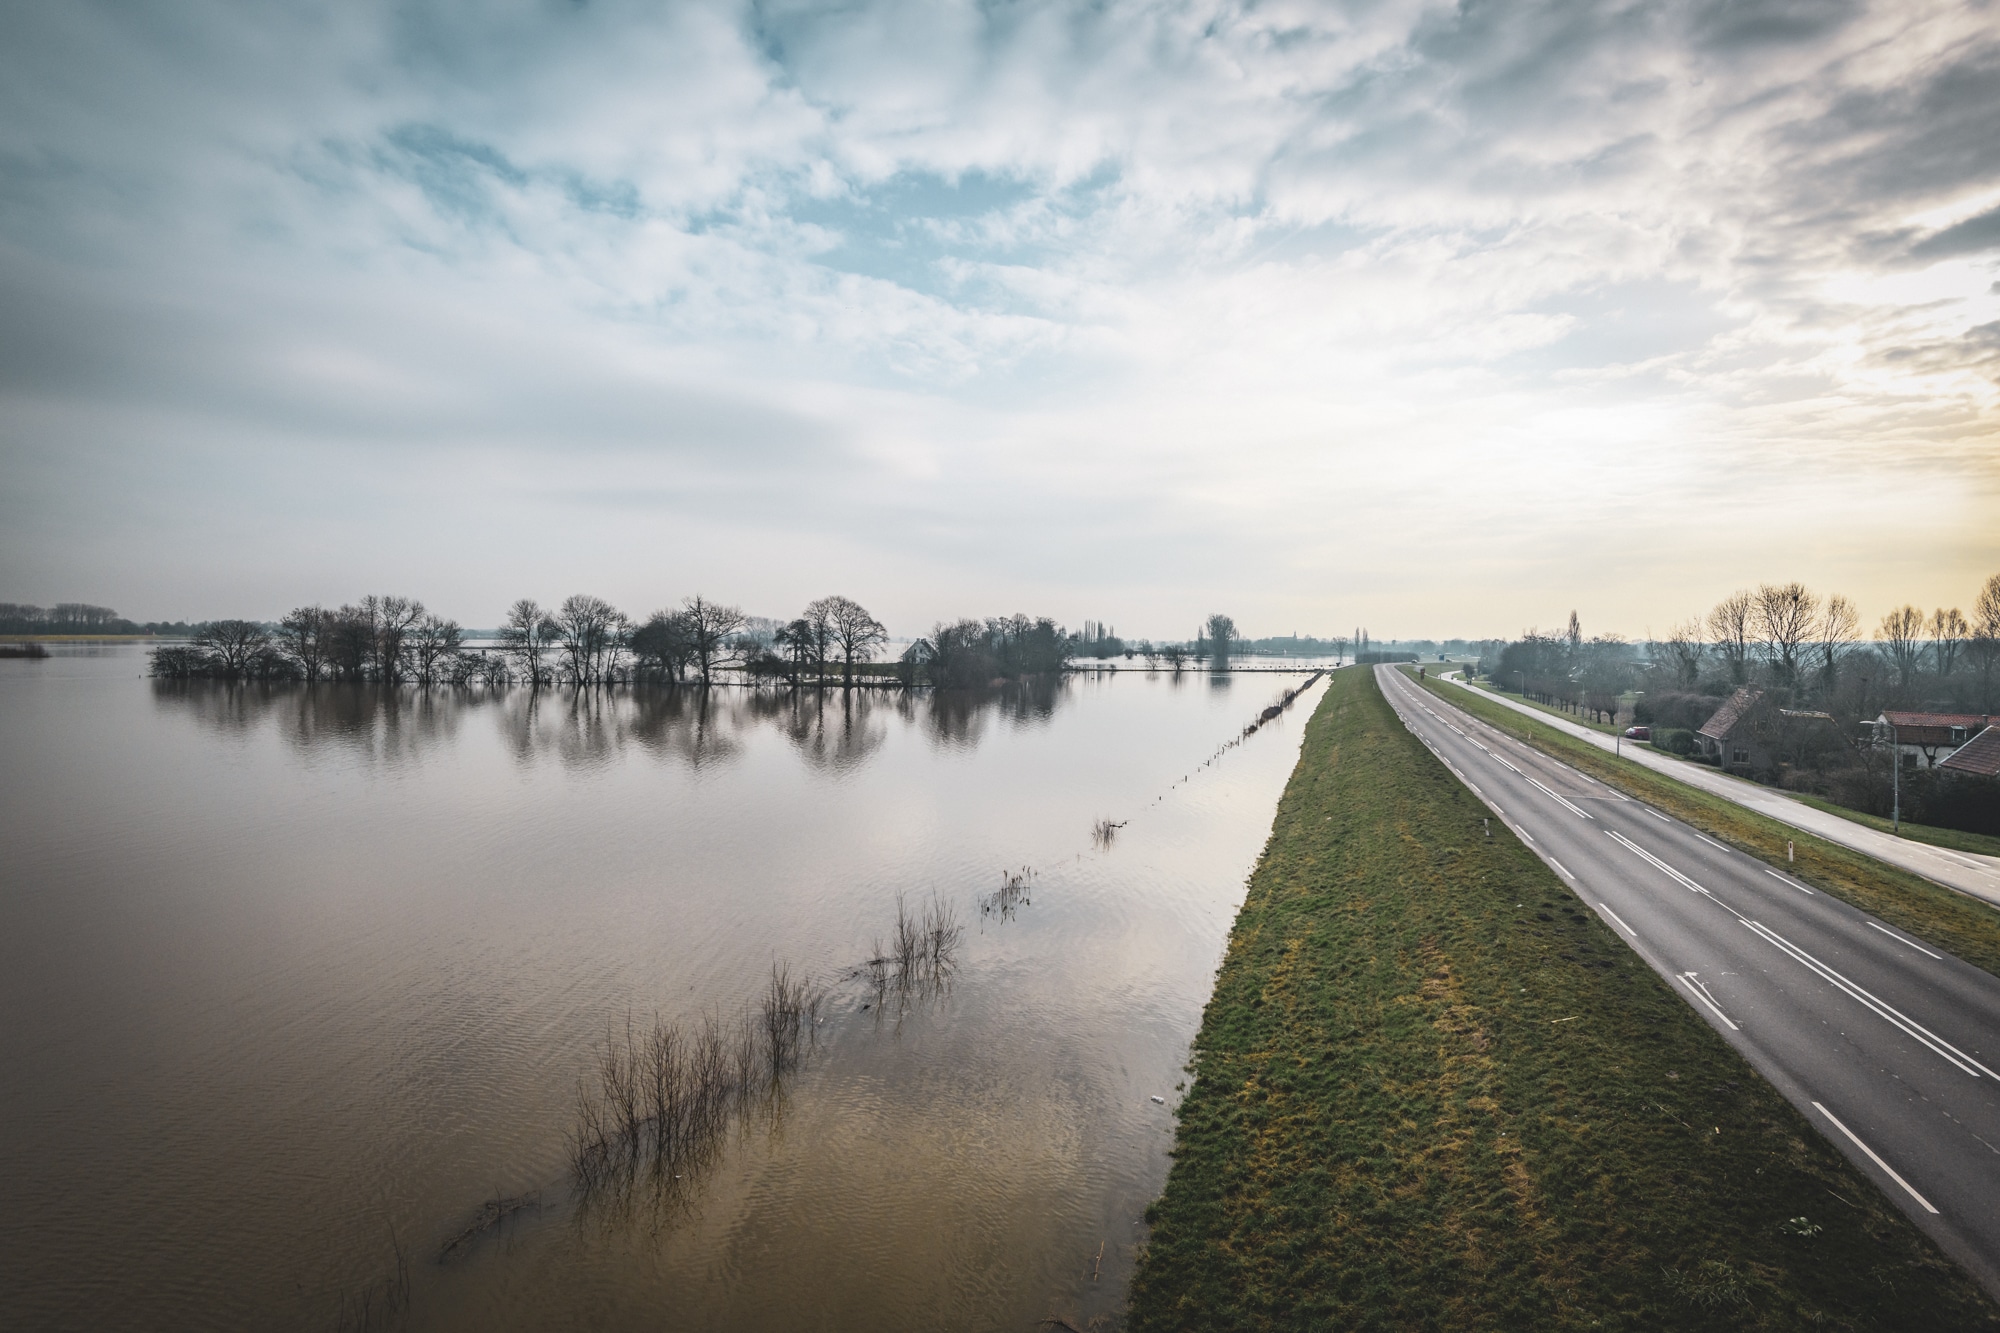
(527, 638)
(711, 624)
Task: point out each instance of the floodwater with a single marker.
(295, 980)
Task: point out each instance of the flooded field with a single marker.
(318, 1000)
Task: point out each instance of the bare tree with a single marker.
(1785, 616)
(818, 618)
(1729, 629)
(664, 644)
(1684, 645)
(1221, 631)
(233, 645)
(390, 618)
(856, 633)
(1949, 632)
(1985, 643)
(710, 624)
(527, 639)
(432, 647)
(798, 641)
(591, 633)
(1839, 631)
(1901, 634)
(304, 634)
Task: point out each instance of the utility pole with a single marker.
(1895, 780)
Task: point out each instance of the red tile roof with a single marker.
(1979, 755)
(1933, 728)
(1724, 721)
(1899, 719)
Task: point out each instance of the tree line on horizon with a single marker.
(585, 641)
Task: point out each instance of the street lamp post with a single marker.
(1895, 780)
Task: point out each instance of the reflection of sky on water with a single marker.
(302, 969)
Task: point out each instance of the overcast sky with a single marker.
(1439, 319)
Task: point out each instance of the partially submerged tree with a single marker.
(664, 645)
(389, 619)
(711, 624)
(304, 635)
(590, 634)
(856, 633)
(1221, 633)
(232, 645)
(433, 646)
(527, 639)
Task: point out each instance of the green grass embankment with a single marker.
(1965, 926)
(1434, 1092)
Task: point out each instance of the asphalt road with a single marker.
(1969, 873)
(1889, 1045)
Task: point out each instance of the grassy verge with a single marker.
(1434, 1092)
(1966, 926)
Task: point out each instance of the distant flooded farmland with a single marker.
(341, 1007)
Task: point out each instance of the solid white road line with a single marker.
(1700, 992)
(1791, 883)
(1560, 866)
(1880, 1007)
(1557, 799)
(1657, 863)
(1890, 1170)
(1620, 920)
(1912, 943)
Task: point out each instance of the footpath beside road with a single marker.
(1968, 873)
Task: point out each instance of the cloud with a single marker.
(1138, 304)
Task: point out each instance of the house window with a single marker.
(1739, 756)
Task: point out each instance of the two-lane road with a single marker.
(1884, 1041)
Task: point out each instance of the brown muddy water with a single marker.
(299, 983)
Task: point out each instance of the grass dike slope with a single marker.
(1431, 1090)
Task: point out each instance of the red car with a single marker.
(1638, 733)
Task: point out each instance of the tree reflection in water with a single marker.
(833, 730)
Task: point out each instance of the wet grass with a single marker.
(1432, 1091)
(1963, 925)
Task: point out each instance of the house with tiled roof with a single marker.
(1926, 740)
(1979, 756)
(1726, 737)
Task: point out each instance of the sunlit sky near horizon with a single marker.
(1439, 319)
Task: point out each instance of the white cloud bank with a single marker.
(1441, 319)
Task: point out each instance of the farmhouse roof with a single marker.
(1932, 728)
(1980, 755)
(1726, 718)
(1900, 718)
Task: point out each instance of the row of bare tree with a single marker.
(1799, 639)
(583, 641)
